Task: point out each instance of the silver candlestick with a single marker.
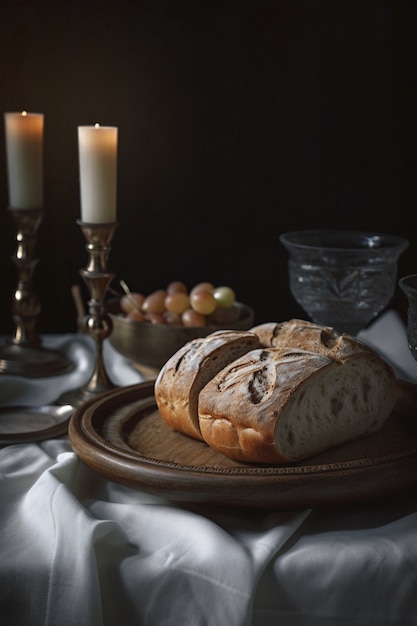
(98, 323)
(24, 355)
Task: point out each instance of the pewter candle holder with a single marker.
(24, 355)
(98, 323)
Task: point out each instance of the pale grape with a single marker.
(131, 302)
(193, 318)
(172, 319)
(224, 296)
(203, 286)
(203, 302)
(155, 318)
(177, 302)
(177, 286)
(155, 302)
(135, 316)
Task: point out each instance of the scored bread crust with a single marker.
(181, 379)
(304, 335)
(277, 405)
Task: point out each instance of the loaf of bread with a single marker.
(178, 385)
(297, 390)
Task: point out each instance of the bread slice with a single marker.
(181, 379)
(279, 405)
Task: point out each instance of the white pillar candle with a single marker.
(24, 158)
(97, 149)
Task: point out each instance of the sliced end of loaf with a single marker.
(334, 407)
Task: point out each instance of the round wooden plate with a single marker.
(122, 437)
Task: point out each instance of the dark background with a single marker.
(238, 120)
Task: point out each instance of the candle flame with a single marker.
(24, 113)
(96, 125)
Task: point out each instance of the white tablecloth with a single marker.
(77, 550)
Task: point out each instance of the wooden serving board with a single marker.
(121, 436)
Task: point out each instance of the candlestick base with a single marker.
(32, 361)
(24, 355)
(77, 397)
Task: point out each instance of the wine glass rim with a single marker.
(343, 240)
(408, 282)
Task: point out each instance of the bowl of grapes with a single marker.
(149, 328)
(342, 278)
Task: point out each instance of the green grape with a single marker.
(224, 296)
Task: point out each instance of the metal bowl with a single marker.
(152, 345)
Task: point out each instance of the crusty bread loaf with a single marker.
(181, 379)
(278, 393)
(278, 405)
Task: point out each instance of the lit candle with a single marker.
(24, 158)
(97, 150)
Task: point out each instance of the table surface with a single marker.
(77, 549)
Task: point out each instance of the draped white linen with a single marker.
(78, 550)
